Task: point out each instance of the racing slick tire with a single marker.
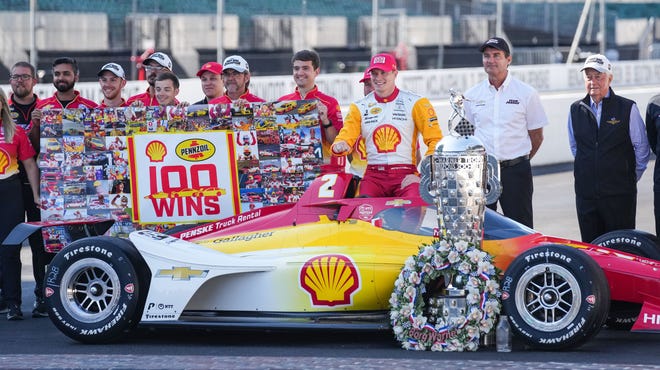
(556, 297)
(93, 289)
(640, 243)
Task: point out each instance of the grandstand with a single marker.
(432, 33)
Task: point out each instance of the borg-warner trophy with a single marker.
(460, 178)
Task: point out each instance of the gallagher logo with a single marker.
(330, 280)
(195, 150)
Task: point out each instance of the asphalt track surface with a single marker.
(36, 343)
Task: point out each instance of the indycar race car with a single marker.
(330, 261)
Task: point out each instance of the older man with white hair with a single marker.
(608, 140)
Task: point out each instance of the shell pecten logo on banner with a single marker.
(330, 280)
(197, 181)
(156, 151)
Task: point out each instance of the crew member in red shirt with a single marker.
(22, 102)
(236, 78)
(306, 66)
(14, 147)
(112, 80)
(65, 76)
(154, 65)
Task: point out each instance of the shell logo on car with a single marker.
(330, 280)
(195, 150)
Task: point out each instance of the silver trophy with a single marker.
(460, 178)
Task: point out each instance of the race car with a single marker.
(330, 261)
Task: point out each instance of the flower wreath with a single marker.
(469, 266)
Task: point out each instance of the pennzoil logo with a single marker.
(375, 110)
(330, 280)
(182, 273)
(195, 150)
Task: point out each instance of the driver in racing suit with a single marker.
(390, 120)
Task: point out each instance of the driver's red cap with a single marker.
(385, 62)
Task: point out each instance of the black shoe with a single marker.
(40, 309)
(14, 312)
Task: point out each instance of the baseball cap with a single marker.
(497, 43)
(598, 62)
(213, 67)
(386, 62)
(366, 76)
(237, 63)
(160, 58)
(114, 68)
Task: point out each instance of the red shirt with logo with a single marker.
(334, 112)
(124, 103)
(146, 99)
(54, 103)
(11, 153)
(225, 99)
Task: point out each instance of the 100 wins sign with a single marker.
(183, 177)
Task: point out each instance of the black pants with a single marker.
(598, 216)
(656, 211)
(517, 190)
(40, 259)
(12, 214)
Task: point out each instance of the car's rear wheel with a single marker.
(556, 297)
(93, 290)
(623, 315)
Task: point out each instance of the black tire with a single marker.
(556, 297)
(640, 243)
(93, 290)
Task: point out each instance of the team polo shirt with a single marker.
(390, 127)
(53, 103)
(225, 99)
(124, 103)
(19, 149)
(502, 117)
(146, 99)
(334, 112)
(22, 115)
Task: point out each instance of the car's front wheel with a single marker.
(92, 290)
(556, 297)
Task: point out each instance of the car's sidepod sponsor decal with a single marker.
(330, 279)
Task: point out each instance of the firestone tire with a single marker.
(556, 297)
(624, 314)
(93, 289)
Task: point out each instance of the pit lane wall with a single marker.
(558, 84)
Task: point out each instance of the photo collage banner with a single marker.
(85, 163)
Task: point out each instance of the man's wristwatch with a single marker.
(327, 126)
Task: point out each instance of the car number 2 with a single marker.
(325, 190)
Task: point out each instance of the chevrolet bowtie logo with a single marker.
(397, 202)
(182, 273)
